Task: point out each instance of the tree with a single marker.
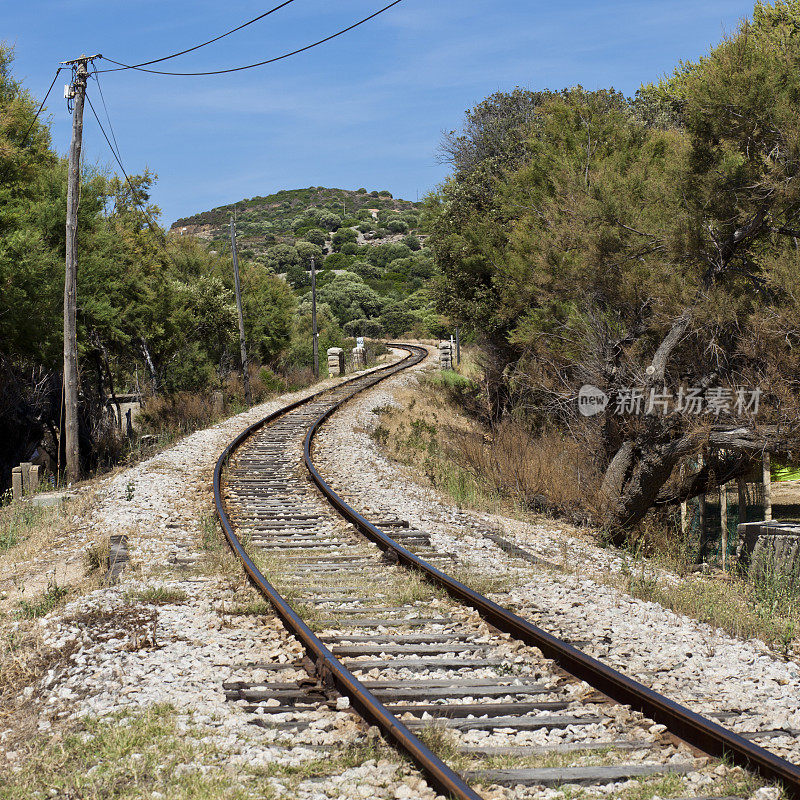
(281, 256)
(315, 236)
(342, 236)
(592, 244)
(306, 251)
(350, 298)
(396, 319)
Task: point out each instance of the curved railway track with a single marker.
(421, 655)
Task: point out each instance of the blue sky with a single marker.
(367, 109)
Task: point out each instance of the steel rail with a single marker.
(692, 728)
(444, 779)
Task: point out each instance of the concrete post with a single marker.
(445, 355)
(335, 361)
(218, 403)
(16, 483)
(35, 478)
(359, 358)
(25, 467)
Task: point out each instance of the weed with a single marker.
(19, 519)
(128, 755)
(254, 609)
(130, 488)
(160, 596)
(96, 557)
(53, 597)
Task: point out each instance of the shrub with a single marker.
(365, 270)
(338, 261)
(177, 413)
(370, 328)
(282, 255)
(342, 236)
(349, 248)
(397, 226)
(396, 319)
(306, 251)
(298, 277)
(328, 220)
(316, 236)
(412, 242)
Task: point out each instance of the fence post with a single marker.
(16, 483)
(767, 481)
(723, 521)
(445, 355)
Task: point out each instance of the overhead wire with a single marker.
(33, 121)
(151, 222)
(203, 44)
(258, 63)
(108, 117)
(41, 105)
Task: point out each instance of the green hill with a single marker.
(369, 247)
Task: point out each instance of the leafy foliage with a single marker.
(587, 237)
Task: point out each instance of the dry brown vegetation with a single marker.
(500, 468)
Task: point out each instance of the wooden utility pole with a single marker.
(314, 335)
(77, 92)
(245, 373)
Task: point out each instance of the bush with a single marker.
(365, 270)
(366, 227)
(338, 261)
(316, 236)
(282, 255)
(177, 413)
(328, 220)
(397, 226)
(306, 251)
(349, 249)
(370, 328)
(342, 236)
(396, 319)
(412, 242)
(298, 277)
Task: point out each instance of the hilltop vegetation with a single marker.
(370, 250)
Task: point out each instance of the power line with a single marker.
(108, 117)
(204, 44)
(144, 211)
(41, 106)
(259, 63)
(33, 122)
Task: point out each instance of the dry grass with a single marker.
(126, 756)
(745, 609)
(504, 469)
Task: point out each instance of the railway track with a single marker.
(476, 696)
